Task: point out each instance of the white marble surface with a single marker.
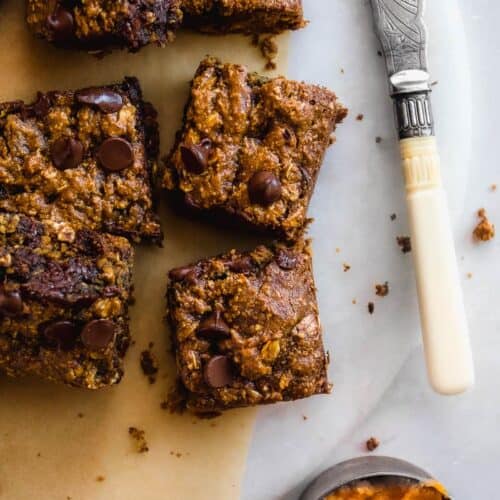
(380, 382)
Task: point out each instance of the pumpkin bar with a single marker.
(251, 149)
(86, 158)
(100, 25)
(246, 329)
(246, 16)
(64, 297)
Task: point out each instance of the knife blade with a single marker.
(400, 27)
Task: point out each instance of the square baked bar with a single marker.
(64, 298)
(251, 148)
(84, 157)
(246, 329)
(100, 25)
(247, 16)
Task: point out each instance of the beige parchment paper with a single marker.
(48, 451)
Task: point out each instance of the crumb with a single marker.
(213, 424)
(404, 243)
(372, 444)
(139, 436)
(151, 345)
(434, 83)
(485, 230)
(469, 276)
(493, 187)
(382, 290)
(175, 402)
(38, 454)
(331, 140)
(178, 455)
(100, 479)
(164, 405)
(304, 417)
(379, 53)
(342, 71)
(268, 48)
(337, 250)
(149, 365)
(132, 343)
(354, 301)
(346, 267)
(360, 117)
(393, 216)
(371, 307)
(378, 139)
(80, 415)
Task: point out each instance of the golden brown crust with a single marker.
(247, 16)
(60, 281)
(253, 124)
(268, 327)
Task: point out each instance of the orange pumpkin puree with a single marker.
(404, 491)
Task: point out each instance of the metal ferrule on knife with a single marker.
(412, 102)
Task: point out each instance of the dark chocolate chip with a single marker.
(195, 156)
(11, 303)
(66, 152)
(240, 265)
(62, 333)
(214, 327)
(182, 274)
(104, 100)
(218, 372)
(286, 259)
(264, 188)
(115, 154)
(41, 106)
(98, 333)
(61, 23)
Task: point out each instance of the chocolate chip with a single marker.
(104, 100)
(61, 23)
(214, 327)
(286, 260)
(195, 156)
(98, 333)
(66, 152)
(182, 274)
(41, 106)
(11, 303)
(115, 154)
(240, 265)
(264, 188)
(62, 333)
(218, 372)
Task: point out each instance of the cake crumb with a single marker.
(149, 364)
(382, 290)
(371, 307)
(100, 479)
(304, 417)
(354, 301)
(80, 414)
(372, 444)
(337, 250)
(346, 267)
(393, 217)
(38, 454)
(378, 139)
(268, 48)
(360, 117)
(485, 230)
(493, 187)
(404, 243)
(139, 436)
(469, 276)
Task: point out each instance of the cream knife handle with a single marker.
(444, 324)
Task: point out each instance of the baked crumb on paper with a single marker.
(485, 230)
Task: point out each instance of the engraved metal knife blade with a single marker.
(403, 35)
(400, 27)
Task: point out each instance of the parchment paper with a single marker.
(47, 451)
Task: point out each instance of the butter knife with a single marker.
(401, 30)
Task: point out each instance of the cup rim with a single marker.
(361, 468)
